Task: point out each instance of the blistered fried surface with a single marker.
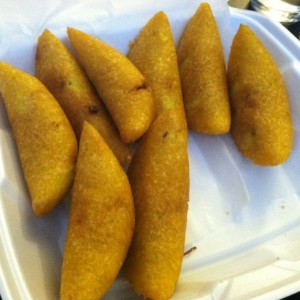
(203, 74)
(118, 82)
(101, 221)
(45, 140)
(261, 120)
(59, 71)
(159, 177)
(154, 54)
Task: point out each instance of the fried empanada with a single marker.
(261, 120)
(159, 178)
(57, 68)
(118, 82)
(154, 54)
(203, 74)
(45, 140)
(101, 221)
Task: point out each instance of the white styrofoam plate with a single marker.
(243, 219)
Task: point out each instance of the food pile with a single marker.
(75, 123)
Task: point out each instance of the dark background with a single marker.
(293, 28)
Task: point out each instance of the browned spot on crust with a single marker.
(93, 109)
